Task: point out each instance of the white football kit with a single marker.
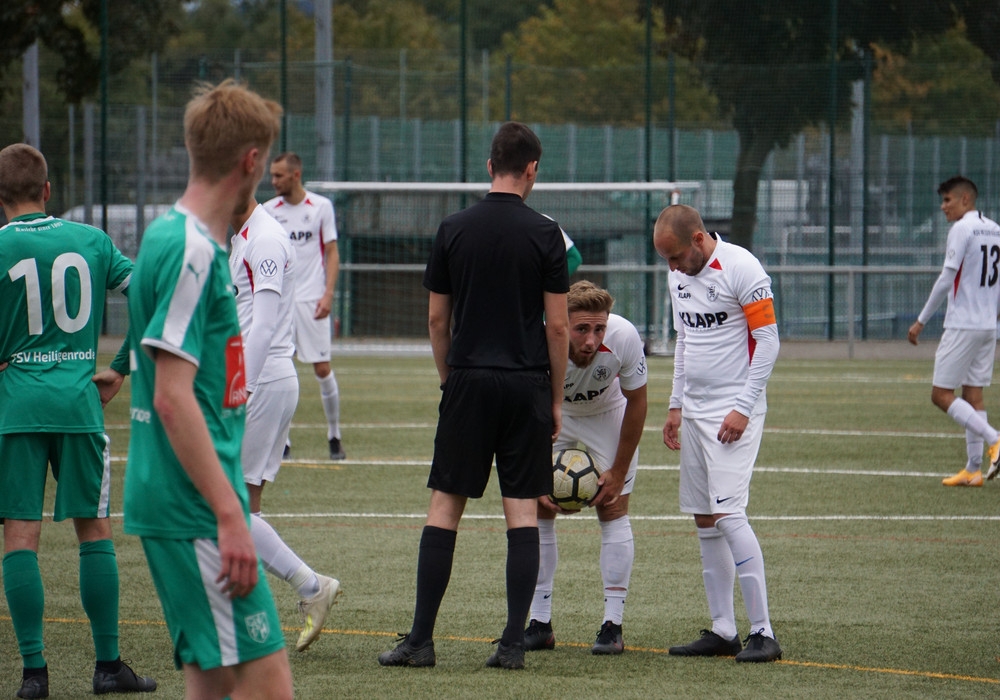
(593, 403)
(973, 251)
(727, 343)
(311, 226)
(970, 281)
(262, 266)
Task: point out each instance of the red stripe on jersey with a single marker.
(249, 273)
(244, 232)
(308, 202)
(715, 264)
(958, 277)
(322, 245)
(280, 203)
(751, 344)
(603, 348)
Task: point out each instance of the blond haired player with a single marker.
(184, 490)
(969, 280)
(311, 224)
(727, 343)
(604, 409)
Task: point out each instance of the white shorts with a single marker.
(269, 414)
(715, 478)
(312, 336)
(964, 358)
(599, 436)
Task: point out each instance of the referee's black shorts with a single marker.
(487, 412)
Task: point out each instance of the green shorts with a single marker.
(81, 465)
(207, 628)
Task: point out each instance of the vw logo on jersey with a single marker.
(269, 268)
(713, 292)
(602, 373)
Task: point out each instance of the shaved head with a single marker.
(681, 221)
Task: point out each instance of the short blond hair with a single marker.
(221, 122)
(587, 296)
(23, 174)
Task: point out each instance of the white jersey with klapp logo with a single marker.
(311, 225)
(973, 251)
(261, 258)
(714, 314)
(619, 363)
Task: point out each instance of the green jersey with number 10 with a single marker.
(54, 278)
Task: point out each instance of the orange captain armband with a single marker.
(760, 313)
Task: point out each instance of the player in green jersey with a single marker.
(188, 411)
(54, 276)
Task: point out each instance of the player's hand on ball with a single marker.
(549, 504)
(609, 488)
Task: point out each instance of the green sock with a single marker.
(99, 594)
(22, 584)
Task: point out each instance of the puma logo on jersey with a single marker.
(707, 320)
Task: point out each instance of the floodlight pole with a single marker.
(462, 107)
(104, 114)
(831, 218)
(284, 76)
(104, 127)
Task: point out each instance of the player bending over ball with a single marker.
(604, 409)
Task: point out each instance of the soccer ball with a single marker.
(574, 478)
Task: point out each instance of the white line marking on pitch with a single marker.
(665, 518)
(643, 467)
(648, 429)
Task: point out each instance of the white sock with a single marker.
(617, 555)
(329, 394)
(548, 558)
(719, 573)
(962, 412)
(749, 563)
(279, 559)
(974, 448)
